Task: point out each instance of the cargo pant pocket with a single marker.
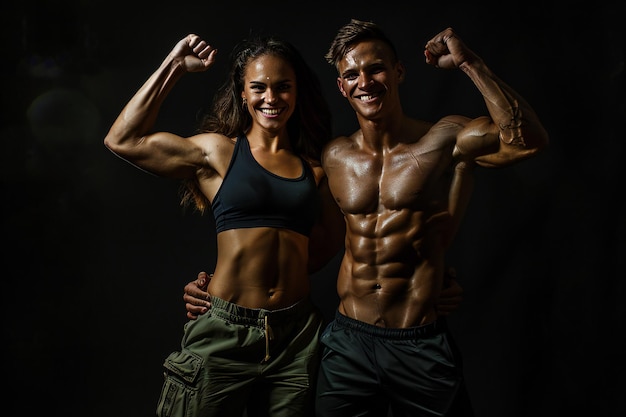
(179, 396)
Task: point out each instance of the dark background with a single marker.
(96, 252)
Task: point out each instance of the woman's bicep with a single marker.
(167, 155)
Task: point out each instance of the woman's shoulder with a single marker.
(212, 137)
(213, 141)
(217, 149)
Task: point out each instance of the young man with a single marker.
(403, 186)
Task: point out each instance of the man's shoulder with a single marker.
(337, 147)
(451, 121)
(340, 141)
(446, 128)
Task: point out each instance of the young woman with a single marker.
(255, 163)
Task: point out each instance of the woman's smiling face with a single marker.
(270, 91)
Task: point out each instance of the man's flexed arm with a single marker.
(511, 121)
(197, 300)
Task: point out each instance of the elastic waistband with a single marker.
(408, 333)
(235, 313)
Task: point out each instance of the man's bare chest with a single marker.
(367, 185)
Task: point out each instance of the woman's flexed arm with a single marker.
(131, 136)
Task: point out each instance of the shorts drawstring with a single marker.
(259, 319)
(269, 334)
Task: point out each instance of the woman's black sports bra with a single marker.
(251, 196)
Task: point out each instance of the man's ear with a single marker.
(340, 85)
(401, 71)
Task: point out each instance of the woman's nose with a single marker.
(270, 97)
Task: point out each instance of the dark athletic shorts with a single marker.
(234, 359)
(367, 370)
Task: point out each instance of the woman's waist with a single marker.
(260, 291)
(237, 313)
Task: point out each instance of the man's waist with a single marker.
(391, 332)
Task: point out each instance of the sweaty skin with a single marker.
(275, 272)
(403, 184)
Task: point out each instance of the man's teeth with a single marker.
(366, 98)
